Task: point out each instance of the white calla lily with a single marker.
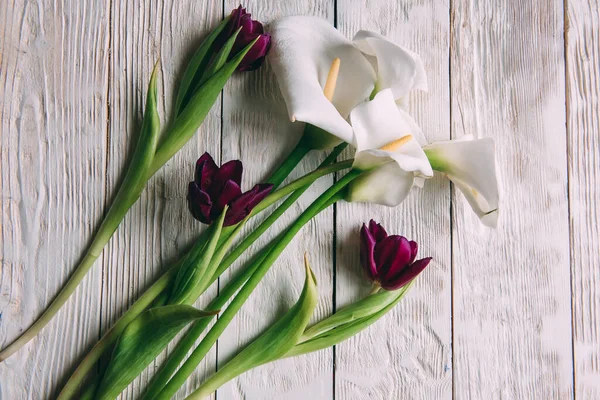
(470, 164)
(302, 52)
(386, 144)
(397, 68)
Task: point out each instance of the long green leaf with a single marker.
(362, 308)
(341, 333)
(143, 340)
(272, 344)
(191, 272)
(219, 59)
(196, 67)
(195, 111)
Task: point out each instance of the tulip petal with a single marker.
(470, 165)
(397, 68)
(407, 274)
(377, 231)
(231, 191)
(302, 52)
(242, 205)
(230, 171)
(396, 261)
(379, 123)
(367, 252)
(414, 247)
(205, 171)
(387, 185)
(199, 203)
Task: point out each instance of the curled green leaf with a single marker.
(346, 331)
(362, 308)
(219, 59)
(195, 265)
(272, 344)
(196, 67)
(192, 116)
(143, 340)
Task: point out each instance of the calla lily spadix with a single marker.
(387, 142)
(470, 164)
(302, 51)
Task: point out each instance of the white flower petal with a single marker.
(387, 185)
(378, 123)
(303, 49)
(470, 164)
(397, 68)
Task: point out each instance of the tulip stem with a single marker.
(330, 196)
(177, 355)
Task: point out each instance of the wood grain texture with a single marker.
(512, 309)
(583, 122)
(407, 354)
(53, 84)
(159, 227)
(493, 317)
(256, 130)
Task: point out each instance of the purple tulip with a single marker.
(251, 29)
(213, 188)
(389, 260)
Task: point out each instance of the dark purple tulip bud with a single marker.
(251, 29)
(389, 261)
(215, 187)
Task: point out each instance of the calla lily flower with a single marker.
(470, 164)
(303, 50)
(215, 187)
(397, 68)
(387, 142)
(389, 261)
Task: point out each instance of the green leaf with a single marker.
(195, 68)
(362, 308)
(346, 331)
(272, 344)
(195, 111)
(137, 173)
(143, 340)
(220, 59)
(195, 265)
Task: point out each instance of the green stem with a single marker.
(334, 192)
(289, 164)
(149, 297)
(163, 375)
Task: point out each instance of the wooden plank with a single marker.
(257, 131)
(159, 227)
(407, 354)
(53, 84)
(583, 123)
(511, 309)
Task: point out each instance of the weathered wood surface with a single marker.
(583, 129)
(511, 313)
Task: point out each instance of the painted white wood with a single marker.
(511, 286)
(53, 85)
(159, 227)
(407, 354)
(73, 78)
(583, 123)
(257, 130)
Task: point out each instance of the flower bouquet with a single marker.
(348, 94)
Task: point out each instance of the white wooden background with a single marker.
(512, 313)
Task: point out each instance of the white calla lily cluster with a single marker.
(374, 77)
